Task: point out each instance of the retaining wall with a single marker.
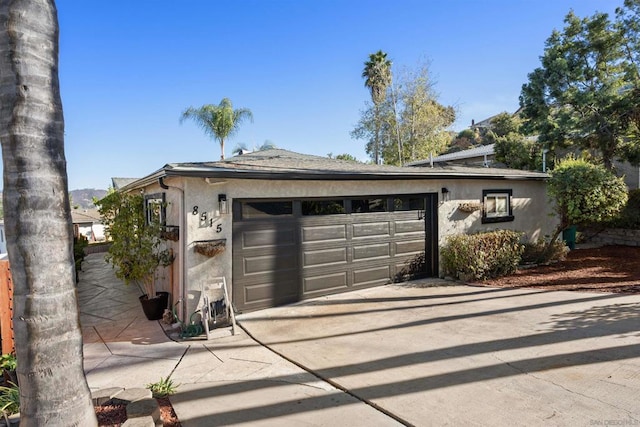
(614, 236)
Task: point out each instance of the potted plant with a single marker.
(136, 251)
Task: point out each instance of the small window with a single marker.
(408, 203)
(323, 207)
(155, 207)
(266, 209)
(496, 206)
(368, 205)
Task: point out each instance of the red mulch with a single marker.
(110, 415)
(604, 269)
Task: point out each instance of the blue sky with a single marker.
(129, 68)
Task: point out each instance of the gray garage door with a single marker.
(286, 250)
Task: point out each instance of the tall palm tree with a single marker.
(218, 121)
(53, 389)
(377, 75)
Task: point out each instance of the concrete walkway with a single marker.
(420, 353)
(228, 380)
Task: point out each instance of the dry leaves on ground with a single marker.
(604, 269)
(113, 415)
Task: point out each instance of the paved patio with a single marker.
(225, 381)
(420, 353)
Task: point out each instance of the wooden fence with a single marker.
(6, 308)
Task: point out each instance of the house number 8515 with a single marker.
(203, 218)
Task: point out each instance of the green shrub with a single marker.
(79, 246)
(8, 362)
(9, 400)
(540, 252)
(584, 193)
(482, 256)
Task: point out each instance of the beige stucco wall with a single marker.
(530, 209)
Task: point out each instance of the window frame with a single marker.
(155, 199)
(493, 218)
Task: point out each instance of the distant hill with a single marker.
(84, 198)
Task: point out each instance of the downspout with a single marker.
(182, 266)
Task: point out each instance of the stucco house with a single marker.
(282, 226)
(87, 223)
(482, 156)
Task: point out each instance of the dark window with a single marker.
(408, 203)
(368, 205)
(323, 207)
(155, 208)
(266, 209)
(496, 206)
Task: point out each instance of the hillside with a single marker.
(84, 198)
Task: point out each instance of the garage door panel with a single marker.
(409, 226)
(372, 275)
(313, 258)
(267, 294)
(409, 247)
(269, 263)
(324, 233)
(366, 252)
(324, 283)
(265, 238)
(374, 229)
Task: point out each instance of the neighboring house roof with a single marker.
(85, 216)
(483, 150)
(118, 183)
(287, 165)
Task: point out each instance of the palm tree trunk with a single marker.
(376, 114)
(221, 148)
(53, 389)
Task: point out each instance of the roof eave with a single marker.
(225, 173)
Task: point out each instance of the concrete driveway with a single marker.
(435, 353)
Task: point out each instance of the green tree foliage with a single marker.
(377, 75)
(411, 122)
(375, 127)
(344, 156)
(465, 139)
(218, 121)
(511, 147)
(629, 217)
(584, 193)
(136, 251)
(585, 93)
(628, 24)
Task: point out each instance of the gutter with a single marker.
(182, 266)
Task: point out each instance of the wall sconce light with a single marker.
(222, 203)
(445, 193)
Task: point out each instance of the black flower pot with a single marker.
(154, 307)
